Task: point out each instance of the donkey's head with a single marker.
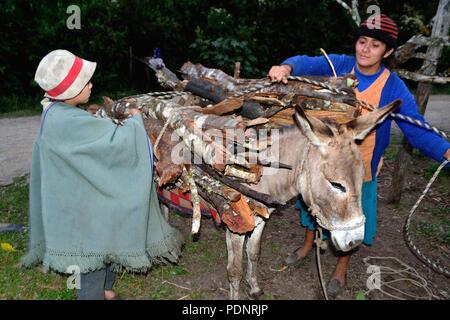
(332, 175)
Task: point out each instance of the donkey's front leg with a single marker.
(235, 245)
(253, 251)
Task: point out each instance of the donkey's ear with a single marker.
(362, 125)
(314, 129)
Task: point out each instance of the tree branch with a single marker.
(353, 11)
(405, 74)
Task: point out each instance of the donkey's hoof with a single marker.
(253, 294)
(256, 295)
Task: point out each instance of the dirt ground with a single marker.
(204, 262)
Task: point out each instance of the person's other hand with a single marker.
(134, 111)
(447, 155)
(280, 73)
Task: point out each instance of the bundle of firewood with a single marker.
(208, 131)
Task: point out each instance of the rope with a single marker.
(407, 274)
(421, 124)
(318, 83)
(255, 88)
(161, 94)
(329, 62)
(318, 241)
(363, 103)
(408, 119)
(162, 132)
(411, 246)
(371, 107)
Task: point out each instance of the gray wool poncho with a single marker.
(92, 197)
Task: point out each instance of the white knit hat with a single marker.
(62, 75)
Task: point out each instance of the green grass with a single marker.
(436, 227)
(163, 282)
(444, 176)
(17, 282)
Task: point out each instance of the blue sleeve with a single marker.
(303, 65)
(427, 141)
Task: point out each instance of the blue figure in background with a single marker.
(155, 62)
(157, 53)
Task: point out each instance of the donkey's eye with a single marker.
(338, 186)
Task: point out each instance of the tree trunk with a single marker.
(440, 29)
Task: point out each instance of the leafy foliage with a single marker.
(257, 33)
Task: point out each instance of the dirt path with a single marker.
(16, 140)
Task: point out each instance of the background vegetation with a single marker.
(258, 33)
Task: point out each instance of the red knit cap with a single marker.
(381, 28)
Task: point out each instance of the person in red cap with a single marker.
(376, 40)
(93, 204)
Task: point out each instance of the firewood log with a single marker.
(242, 208)
(168, 171)
(212, 185)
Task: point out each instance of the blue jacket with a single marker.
(427, 141)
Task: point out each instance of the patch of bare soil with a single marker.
(283, 234)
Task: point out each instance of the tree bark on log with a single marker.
(214, 186)
(220, 82)
(408, 49)
(261, 197)
(168, 171)
(420, 77)
(219, 204)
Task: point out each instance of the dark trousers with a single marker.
(93, 284)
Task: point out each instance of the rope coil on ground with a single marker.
(406, 274)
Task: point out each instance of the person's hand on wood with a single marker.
(280, 73)
(134, 111)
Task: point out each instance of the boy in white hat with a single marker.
(93, 205)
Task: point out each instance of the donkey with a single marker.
(327, 171)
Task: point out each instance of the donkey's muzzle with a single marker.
(346, 240)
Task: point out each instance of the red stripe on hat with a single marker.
(68, 80)
(391, 33)
(391, 29)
